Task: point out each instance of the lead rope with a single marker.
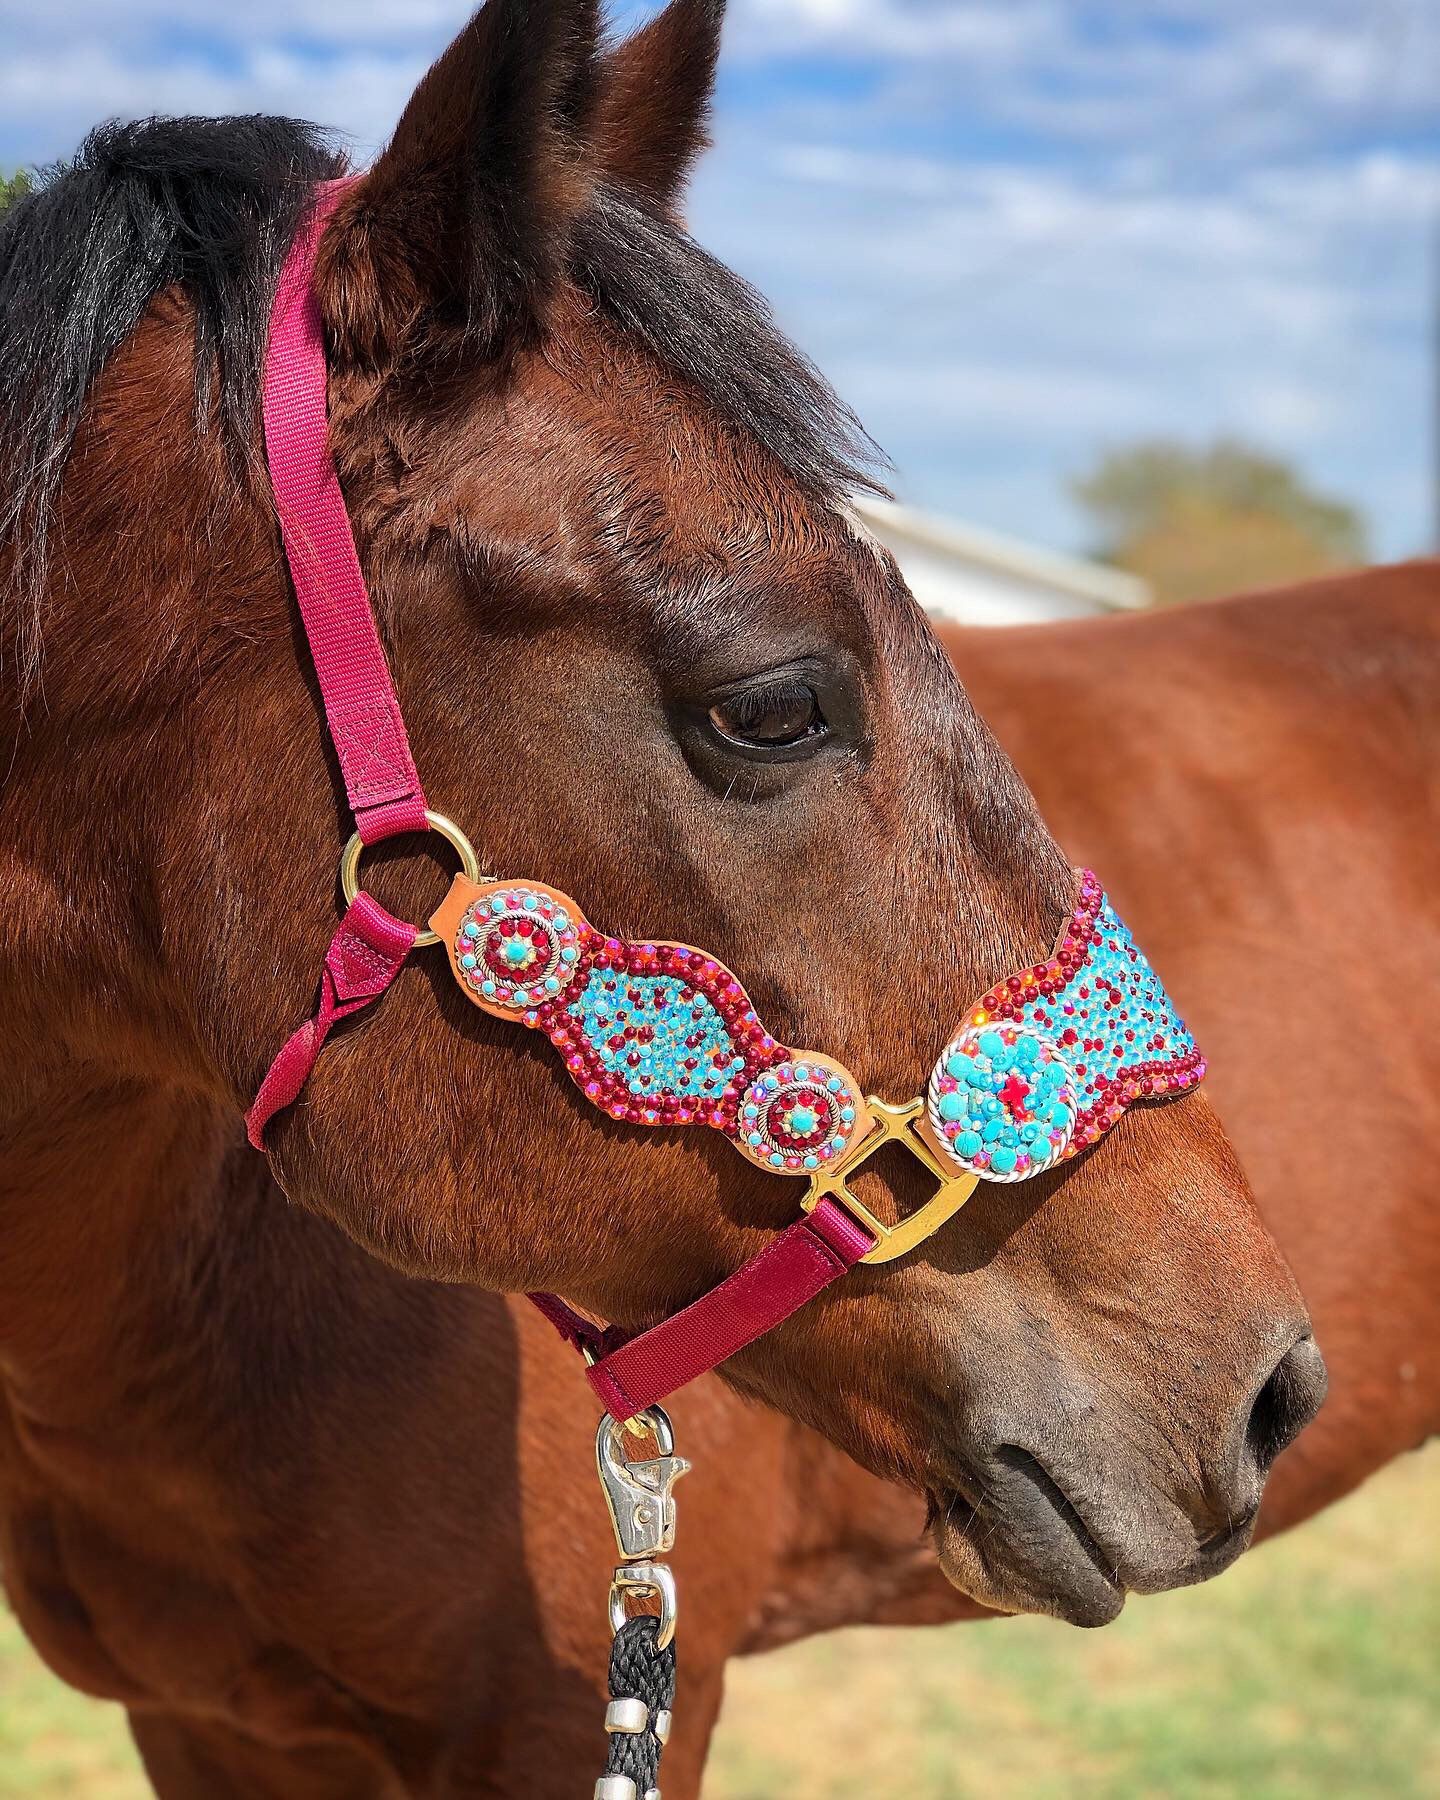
(642, 1658)
(642, 1691)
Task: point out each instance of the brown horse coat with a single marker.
(324, 1523)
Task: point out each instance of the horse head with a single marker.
(648, 655)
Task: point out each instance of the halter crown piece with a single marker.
(661, 1035)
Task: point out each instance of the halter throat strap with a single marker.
(632, 1374)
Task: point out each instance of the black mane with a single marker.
(714, 331)
(206, 204)
(210, 205)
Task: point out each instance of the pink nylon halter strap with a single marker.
(370, 947)
(361, 708)
(631, 1374)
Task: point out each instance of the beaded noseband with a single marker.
(663, 1035)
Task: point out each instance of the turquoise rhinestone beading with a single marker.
(656, 1034)
(1096, 1011)
(662, 1034)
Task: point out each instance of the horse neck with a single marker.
(108, 1203)
(114, 1128)
(106, 1135)
(110, 1143)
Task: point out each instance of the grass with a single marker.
(54, 1743)
(1312, 1669)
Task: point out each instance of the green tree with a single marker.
(12, 187)
(1200, 522)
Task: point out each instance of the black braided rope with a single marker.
(640, 1670)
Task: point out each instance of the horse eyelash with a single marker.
(750, 705)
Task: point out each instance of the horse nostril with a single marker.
(1287, 1403)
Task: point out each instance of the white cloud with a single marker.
(892, 27)
(1010, 229)
(996, 322)
(49, 98)
(395, 22)
(1237, 80)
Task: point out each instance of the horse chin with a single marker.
(1026, 1563)
(1027, 1547)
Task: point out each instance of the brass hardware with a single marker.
(443, 828)
(894, 1125)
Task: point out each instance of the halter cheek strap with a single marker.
(663, 1035)
(361, 708)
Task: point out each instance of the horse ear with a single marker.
(654, 106)
(459, 231)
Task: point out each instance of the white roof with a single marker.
(925, 542)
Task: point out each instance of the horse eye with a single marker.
(770, 718)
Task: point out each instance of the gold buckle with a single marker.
(894, 1125)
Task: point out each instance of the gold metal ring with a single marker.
(442, 827)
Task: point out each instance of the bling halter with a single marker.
(662, 1035)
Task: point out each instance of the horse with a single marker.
(281, 1469)
(1294, 732)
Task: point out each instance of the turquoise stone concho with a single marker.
(1003, 1102)
(1051, 1058)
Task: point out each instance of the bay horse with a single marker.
(280, 1468)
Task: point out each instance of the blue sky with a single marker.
(1012, 232)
